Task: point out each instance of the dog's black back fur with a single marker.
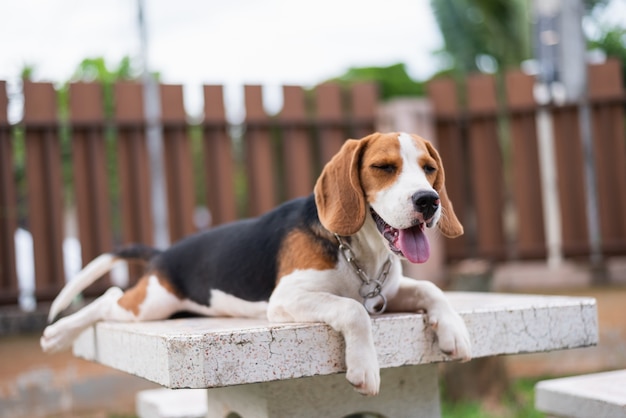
(238, 258)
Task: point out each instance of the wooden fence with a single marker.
(279, 159)
(98, 164)
(491, 152)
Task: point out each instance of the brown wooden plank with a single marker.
(259, 156)
(133, 164)
(605, 82)
(219, 158)
(329, 119)
(487, 169)
(178, 162)
(442, 93)
(298, 159)
(607, 114)
(8, 207)
(526, 182)
(128, 103)
(91, 185)
(4, 105)
(45, 193)
(364, 101)
(452, 147)
(570, 175)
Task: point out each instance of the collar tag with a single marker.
(370, 289)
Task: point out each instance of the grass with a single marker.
(519, 404)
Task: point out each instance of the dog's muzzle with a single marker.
(410, 243)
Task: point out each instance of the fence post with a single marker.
(606, 99)
(219, 159)
(297, 150)
(329, 120)
(178, 162)
(571, 182)
(526, 182)
(259, 155)
(45, 192)
(91, 184)
(364, 100)
(453, 149)
(8, 214)
(486, 157)
(133, 164)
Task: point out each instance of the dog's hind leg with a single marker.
(60, 335)
(150, 299)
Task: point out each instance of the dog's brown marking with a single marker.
(381, 164)
(302, 250)
(132, 299)
(357, 172)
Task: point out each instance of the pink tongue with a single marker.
(414, 244)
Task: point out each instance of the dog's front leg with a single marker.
(344, 315)
(415, 295)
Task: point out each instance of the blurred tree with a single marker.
(604, 32)
(612, 41)
(393, 81)
(27, 72)
(493, 35)
(97, 70)
(485, 35)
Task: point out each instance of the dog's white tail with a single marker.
(88, 275)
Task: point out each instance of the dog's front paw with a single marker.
(365, 380)
(363, 371)
(452, 334)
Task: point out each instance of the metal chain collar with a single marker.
(370, 289)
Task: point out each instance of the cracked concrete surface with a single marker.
(216, 352)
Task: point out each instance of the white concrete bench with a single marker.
(258, 369)
(593, 395)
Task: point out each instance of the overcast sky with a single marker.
(230, 42)
(233, 42)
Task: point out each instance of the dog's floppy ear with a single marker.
(338, 193)
(448, 224)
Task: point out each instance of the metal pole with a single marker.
(546, 41)
(573, 62)
(154, 137)
(549, 187)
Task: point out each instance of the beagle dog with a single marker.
(331, 257)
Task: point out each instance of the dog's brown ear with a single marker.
(448, 224)
(338, 192)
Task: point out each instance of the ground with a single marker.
(60, 385)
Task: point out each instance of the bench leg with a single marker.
(410, 391)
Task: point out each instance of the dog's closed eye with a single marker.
(386, 167)
(429, 169)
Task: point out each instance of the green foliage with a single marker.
(393, 81)
(493, 35)
(519, 404)
(27, 72)
(97, 70)
(483, 35)
(613, 42)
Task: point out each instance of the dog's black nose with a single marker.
(426, 203)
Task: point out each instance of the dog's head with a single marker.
(396, 178)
